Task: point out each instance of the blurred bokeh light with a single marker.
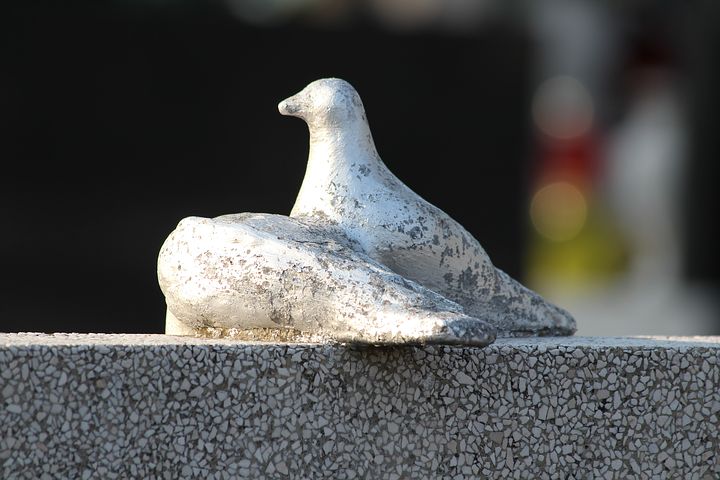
(563, 108)
(559, 211)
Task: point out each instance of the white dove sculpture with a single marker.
(347, 184)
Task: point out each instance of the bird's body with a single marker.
(347, 184)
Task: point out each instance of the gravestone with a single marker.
(158, 406)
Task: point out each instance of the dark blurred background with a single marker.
(584, 134)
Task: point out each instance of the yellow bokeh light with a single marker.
(558, 211)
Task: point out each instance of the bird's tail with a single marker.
(518, 311)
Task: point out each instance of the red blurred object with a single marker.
(576, 160)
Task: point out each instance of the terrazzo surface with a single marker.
(155, 406)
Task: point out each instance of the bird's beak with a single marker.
(293, 106)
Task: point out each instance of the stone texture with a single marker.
(155, 406)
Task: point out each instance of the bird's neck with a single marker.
(333, 150)
(341, 163)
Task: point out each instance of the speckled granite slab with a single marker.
(155, 406)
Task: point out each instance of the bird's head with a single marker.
(325, 103)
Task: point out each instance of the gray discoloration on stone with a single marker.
(271, 271)
(157, 406)
(348, 184)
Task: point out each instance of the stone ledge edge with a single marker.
(24, 339)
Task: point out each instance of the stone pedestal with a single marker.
(156, 406)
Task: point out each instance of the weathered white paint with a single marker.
(362, 258)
